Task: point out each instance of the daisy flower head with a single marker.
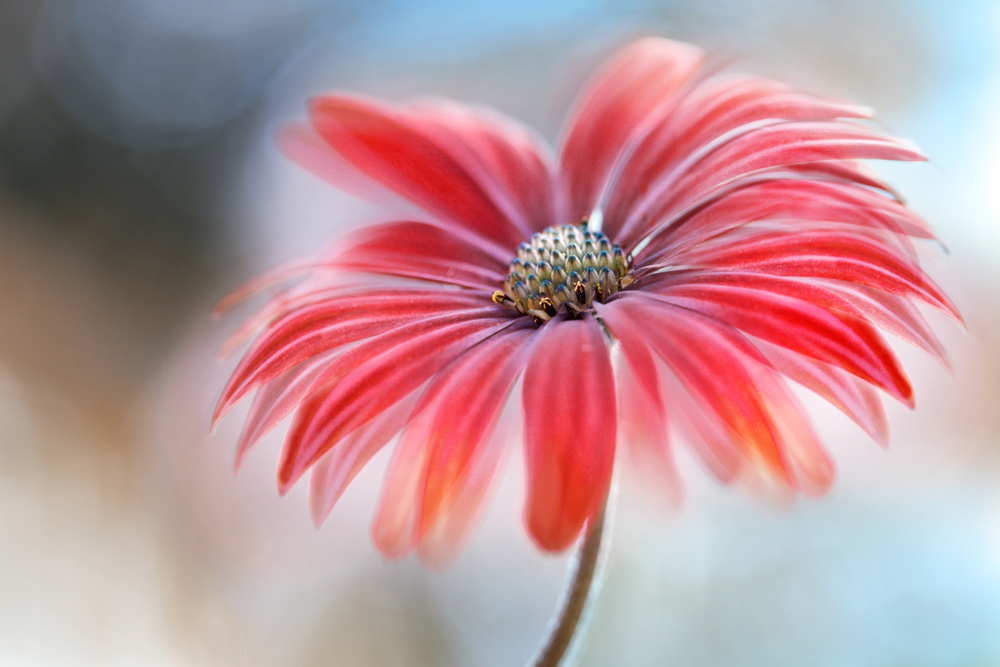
(715, 234)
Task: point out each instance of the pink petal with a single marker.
(511, 163)
(422, 251)
(637, 88)
(643, 432)
(276, 399)
(374, 376)
(709, 114)
(329, 324)
(838, 339)
(855, 398)
(833, 255)
(334, 470)
(406, 153)
(768, 147)
(447, 458)
(570, 408)
(886, 311)
(725, 373)
(794, 201)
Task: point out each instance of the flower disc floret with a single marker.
(566, 267)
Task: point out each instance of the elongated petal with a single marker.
(798, 202)
(371, 383)
(570, 424)
(330, 324)
(514, 166)
(334, 470)
(423, 251)
(635, 90)
(768, 147)
(886, 311)
(838, 339)
(732, 379)
(410, 155)
(447, 458)
(834, 255)
(855, 398)
(710, 115)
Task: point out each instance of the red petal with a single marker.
(335, 469)
(711, 112)
(374, 376)
(446, 460)
(834, 255)
(889, 312)
(329, 324)
(727, 375)
(570, 425)
(408, 153)
(635, 89)
(422, 251)
(855, 398)
(766, 148)
(513, 165)
(842, 340)
(790, 201)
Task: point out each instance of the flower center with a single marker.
(566, 267)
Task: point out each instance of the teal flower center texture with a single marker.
(564, 268)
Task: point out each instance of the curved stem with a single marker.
(578, 587)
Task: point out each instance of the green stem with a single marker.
(575, 595)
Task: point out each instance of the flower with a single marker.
(714, 234)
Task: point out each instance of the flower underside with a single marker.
(566, 267)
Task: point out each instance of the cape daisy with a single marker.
(717, 230)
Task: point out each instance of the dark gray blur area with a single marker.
(121, 126)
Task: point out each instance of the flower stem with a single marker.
(578, 585)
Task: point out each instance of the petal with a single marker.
(447, 458)
(730, 377)
(767, 147)
(570, 424)
(422, 251)
(833, 255)
(891, 313)
(636, 89)
(372, 377)
(789, 200)
(335, 469)
(329, 324)
(513, 165)
(842, 340)
(710, 114)
(443, 170)
(855, 398)
(643, 432)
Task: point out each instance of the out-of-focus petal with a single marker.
(855, 398)
(840, 339)
(709, 115)
(570, 425)
(335, 469)
(473, 174)
(329, 324)
(422, 251)
(731, 378)
(623, 101)
(370, 383)
(446, 460)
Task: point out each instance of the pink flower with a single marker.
(717, 230)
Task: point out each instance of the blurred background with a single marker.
(139, 183)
